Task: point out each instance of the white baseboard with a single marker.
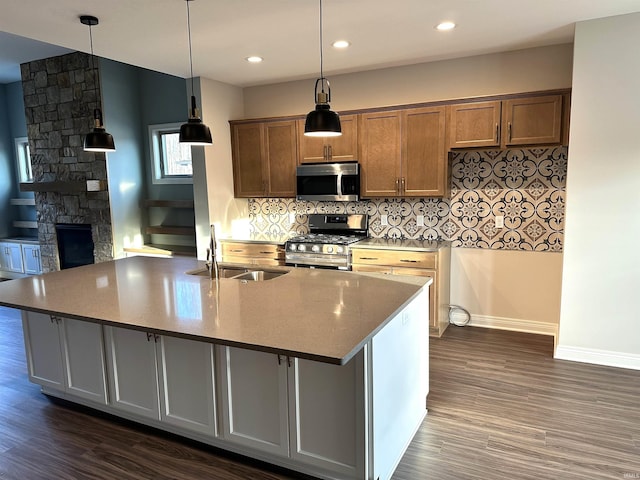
(513, 324)
(598, 357)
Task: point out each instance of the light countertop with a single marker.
(402, 244)
(261, 238)
(324, 315)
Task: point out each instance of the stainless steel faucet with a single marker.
(212, 262)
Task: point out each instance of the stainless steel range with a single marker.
(327, 243)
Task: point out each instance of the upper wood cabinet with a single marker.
(474, 124)
(403, 154)
(330, 149)
(264, 158)
(533, 120)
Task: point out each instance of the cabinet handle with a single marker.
(279, 359)
(149, 335)
(497, 132)
(408, 261)
(509, 132)
(236, 251)
(398, 185)
(289, 361)
(402, 186)
(330, 148)
(156, 338)
(368, 258)
(325, 153)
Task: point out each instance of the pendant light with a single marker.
(98, 140)
(322, 122)
(194, 132)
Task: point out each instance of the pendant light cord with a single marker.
(190, 54)
(321, 53)
(95, 74)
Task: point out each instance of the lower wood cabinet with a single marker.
(250, 253)
(66, 355)
(306, 410)
(436, 265)
(163, 378)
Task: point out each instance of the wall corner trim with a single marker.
(598, 357)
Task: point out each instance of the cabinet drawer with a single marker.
(252, 250)
(395, 258)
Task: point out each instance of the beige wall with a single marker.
(220, 102)
(599, 320)
(503, 289)
(510, 72)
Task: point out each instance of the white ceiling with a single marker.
(383, 33)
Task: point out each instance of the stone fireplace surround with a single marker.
(59, 98)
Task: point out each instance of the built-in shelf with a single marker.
(170, 230)
(168, 250)
(169, 203)
(23, 201)
(25, 224)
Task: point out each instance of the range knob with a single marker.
(315, 248)
(339, 249)
(293, 247)
(302, 248)
(329, 249)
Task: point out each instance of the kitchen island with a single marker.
(323, 372)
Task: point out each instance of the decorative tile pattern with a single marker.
(526, 186)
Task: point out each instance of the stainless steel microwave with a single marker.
(338, 181)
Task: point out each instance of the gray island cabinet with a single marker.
(322, 372)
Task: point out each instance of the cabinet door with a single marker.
(133, 378)
(424, 158)
(330, 149)
(44, 355)
(281, 158)
(254, 399)
(31, 258)
(532, 121)
(248, 157)
(474, 125)
(327, 415)
(12, 257)
(380, 152)
(186, 384)
(83, 352)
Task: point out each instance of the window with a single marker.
(23, 159)
(171, 160)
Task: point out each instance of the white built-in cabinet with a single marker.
(31, 259)
(11, 257)
(66, 354)
(162, 378)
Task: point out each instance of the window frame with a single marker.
(155, 151)
(23, 159)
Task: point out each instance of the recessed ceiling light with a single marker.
(340, 44)
(254, 59)
(443, 26)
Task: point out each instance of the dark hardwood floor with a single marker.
(500, 408)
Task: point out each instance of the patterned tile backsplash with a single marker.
(526, 186)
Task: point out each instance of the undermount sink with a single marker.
(242, 274)
(258, 275)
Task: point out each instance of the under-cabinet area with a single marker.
(403, 150)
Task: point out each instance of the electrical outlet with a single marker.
(384, 220)
(292, 218)
(499, 221)
(420, 220)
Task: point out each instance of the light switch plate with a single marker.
(384, 220)
(420, 220)
(499, 221)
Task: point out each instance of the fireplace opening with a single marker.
(75, 245)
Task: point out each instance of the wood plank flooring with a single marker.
(500, 408)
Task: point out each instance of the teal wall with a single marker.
(7, 172)
(122, 118)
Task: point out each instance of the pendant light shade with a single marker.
(194, 132)
(98, 140)
(322, 122)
